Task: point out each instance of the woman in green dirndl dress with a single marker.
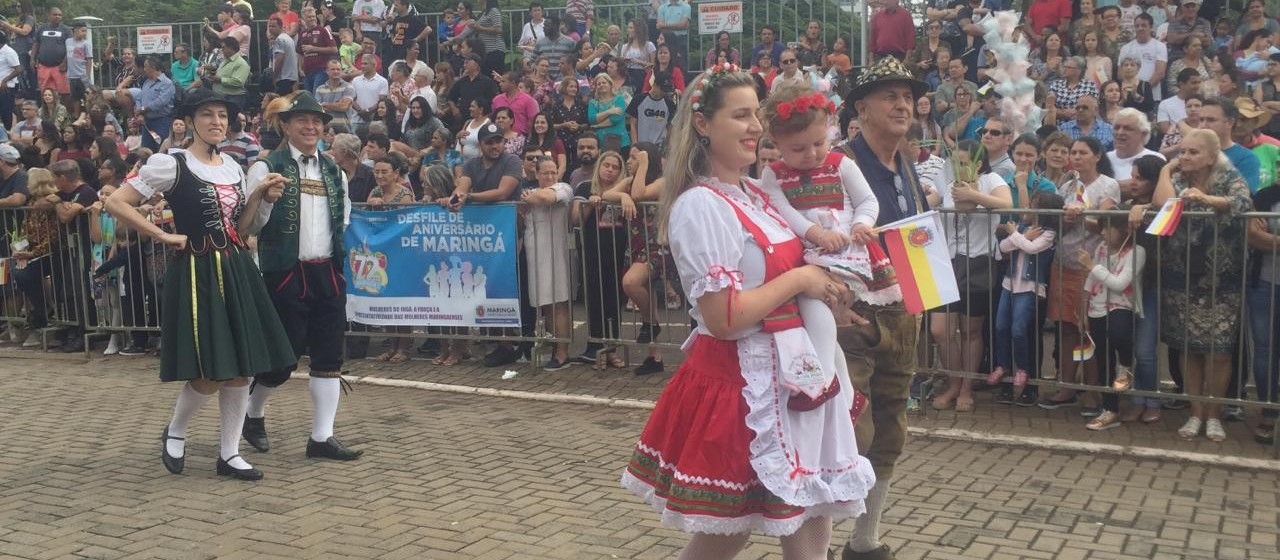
(219, 327)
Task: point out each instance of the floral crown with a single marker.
(815, 101)
(706, 83)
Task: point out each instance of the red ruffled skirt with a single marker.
(693, 460)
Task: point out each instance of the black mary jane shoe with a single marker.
(173, 464)
(255, 432)
(225, 469)
(331, 449)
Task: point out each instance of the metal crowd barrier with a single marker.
(1225, 274)
(109, 284)
(46, 283)
(126, 275)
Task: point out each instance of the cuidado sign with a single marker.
(155, 39)
(714, 17)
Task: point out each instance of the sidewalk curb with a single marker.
(1050, 444)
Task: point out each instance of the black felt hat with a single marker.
(203, 97)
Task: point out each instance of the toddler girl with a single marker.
(825, 199)
(1114, 305)
(1029, 248)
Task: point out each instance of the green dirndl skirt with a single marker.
(218, 322)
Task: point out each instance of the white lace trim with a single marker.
(699, 480)
(770, 449)
(886, 296)
(854, 271)
(716, 279)
(756, 523)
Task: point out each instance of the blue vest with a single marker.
(1035, 267)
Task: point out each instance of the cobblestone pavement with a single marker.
(1063, 424)
(449, 476)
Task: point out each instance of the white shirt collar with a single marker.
(297, 154)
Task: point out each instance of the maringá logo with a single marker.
(369, 270)
(920, 237)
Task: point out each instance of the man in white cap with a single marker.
(13, 181)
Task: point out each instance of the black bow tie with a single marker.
(306, 158)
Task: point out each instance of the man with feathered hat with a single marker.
(300, 252)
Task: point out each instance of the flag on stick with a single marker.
(920, 258)
(1166, 222)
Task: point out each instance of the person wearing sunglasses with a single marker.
(996, 137)
(969, 123)
(792, 74)
(1087, 123)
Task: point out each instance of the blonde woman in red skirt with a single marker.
(730, 449)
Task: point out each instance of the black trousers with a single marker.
(311, 300)
(1113, 338)
(603, 255)
(139, 301)
(494, 61)
(30, 281)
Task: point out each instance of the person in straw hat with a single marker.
(218, 331)
(1248, 133)
(301, 254)
(881, 347)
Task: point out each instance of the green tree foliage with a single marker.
(134, 11)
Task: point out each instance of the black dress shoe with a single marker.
(882, 553)
(331, 449)
(173, 464)
(649, 366)
(255, 432)
(501, 355)
(225, 469)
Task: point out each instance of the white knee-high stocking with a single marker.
(325, 393)
(866, 530)
(231, 404)
(258, 400)
(189, 403)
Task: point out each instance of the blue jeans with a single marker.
(1145, 342)
(1263, 301)
(314, 79)
(159, 126)
(1016, 331)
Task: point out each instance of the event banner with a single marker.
(425, 265)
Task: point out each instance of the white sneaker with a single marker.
(1191, 429)
(36, 338)
(1213, 430)
(113, 347)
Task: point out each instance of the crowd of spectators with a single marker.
(571, 118)
(1144, 101)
